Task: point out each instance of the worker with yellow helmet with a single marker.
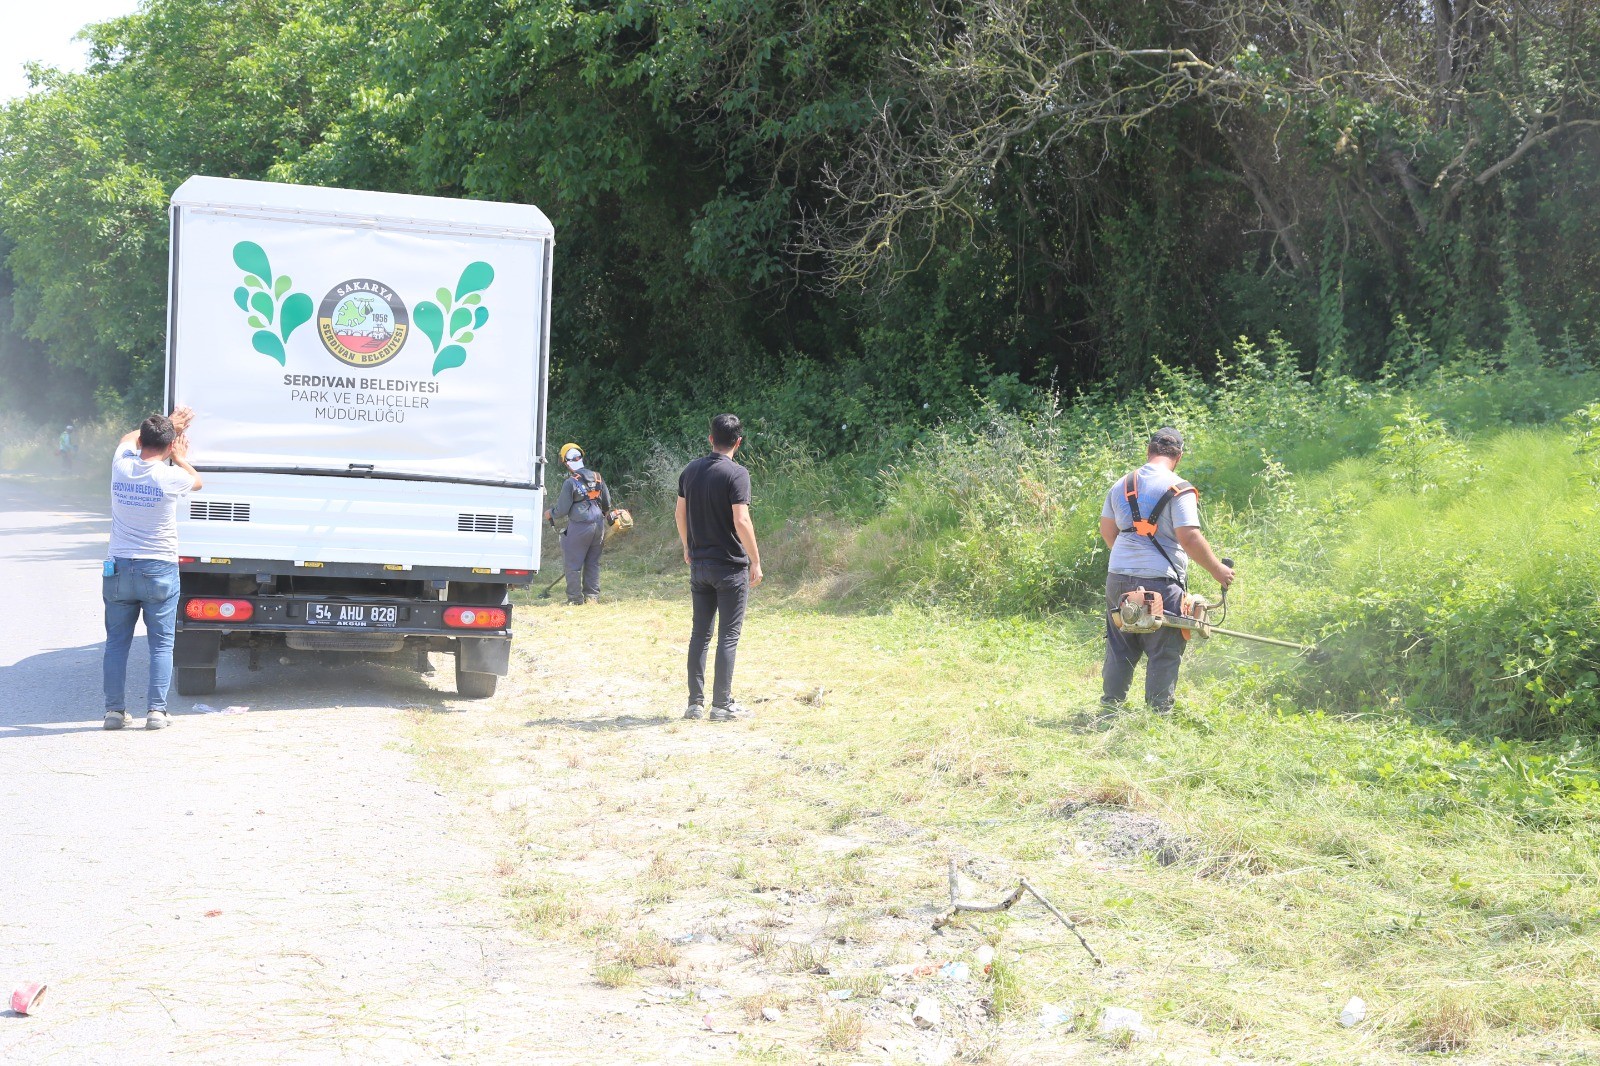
(584, 500)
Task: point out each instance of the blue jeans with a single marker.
(151, 586)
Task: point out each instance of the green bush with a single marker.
(1437, 553)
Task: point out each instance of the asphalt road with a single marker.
(278, 885)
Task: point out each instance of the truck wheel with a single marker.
(197, 680)
(473, 685)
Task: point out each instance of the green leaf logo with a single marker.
(267, 343)
(430, 320)
(252, 259)
(476, 278)
(453, 356)
(296, 313)
(266, 300)
(464, 321)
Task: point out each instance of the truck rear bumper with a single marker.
(298, 614)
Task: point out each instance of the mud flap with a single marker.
(484, 655)
(197, 647)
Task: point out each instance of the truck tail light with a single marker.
(517, 573)
(202, 610)
(188, 559)
(475, 617)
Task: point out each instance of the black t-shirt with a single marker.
(710, 486)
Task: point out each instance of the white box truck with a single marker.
(368, 372)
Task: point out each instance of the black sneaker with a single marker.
(694, 712)
(116, 719)
(731, 713)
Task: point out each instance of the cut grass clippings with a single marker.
(1320, 860)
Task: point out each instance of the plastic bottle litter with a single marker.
(1115, 1020)
(1354, 1013)
(1051, 1015)
(841, 994)
(956, 971)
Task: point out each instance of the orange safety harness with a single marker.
(587, 489)
(1146, 527)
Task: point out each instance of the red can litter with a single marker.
(25, 999)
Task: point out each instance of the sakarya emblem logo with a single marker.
(362, 322)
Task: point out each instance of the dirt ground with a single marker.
(285, 884)
(362, 868)
(715, 884)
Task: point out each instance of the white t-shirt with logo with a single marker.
(144, 506)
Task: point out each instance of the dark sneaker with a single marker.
(116, 719)
(731, 713)
(156, 720)
(694, 712)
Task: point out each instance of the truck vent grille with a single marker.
(216, 511)
(483, 523)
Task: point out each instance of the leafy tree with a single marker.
(88, 162)
(853, 216)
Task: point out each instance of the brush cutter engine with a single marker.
(1143, 611)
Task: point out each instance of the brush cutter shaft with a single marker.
(1264, 640)
(1206, 629)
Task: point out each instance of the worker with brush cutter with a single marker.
(1151, 523)
(585, 502)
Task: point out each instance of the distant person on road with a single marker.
(65, 446)
(585, 502)
(141, 568)
(719, 547)
(1151, 523)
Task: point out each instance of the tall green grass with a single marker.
(1431, 535)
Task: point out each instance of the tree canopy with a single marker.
(849, 215)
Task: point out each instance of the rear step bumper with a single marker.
(288, 614)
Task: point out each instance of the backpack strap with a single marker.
(1178, 489)
(1146, 527)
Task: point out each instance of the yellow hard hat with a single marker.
(568, 448)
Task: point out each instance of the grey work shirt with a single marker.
(1133, 554)
(573, 503)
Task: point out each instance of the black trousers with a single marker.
(1163, 649)
(720, 593)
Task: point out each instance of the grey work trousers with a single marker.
(1163, 649)
(581, 543)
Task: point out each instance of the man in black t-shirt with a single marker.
(719, 547)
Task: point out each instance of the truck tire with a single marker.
(472, 685)
(197, 680)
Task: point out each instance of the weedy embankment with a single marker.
(1245, 866)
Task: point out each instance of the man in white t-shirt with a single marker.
(141, 568)
(1151, 523)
